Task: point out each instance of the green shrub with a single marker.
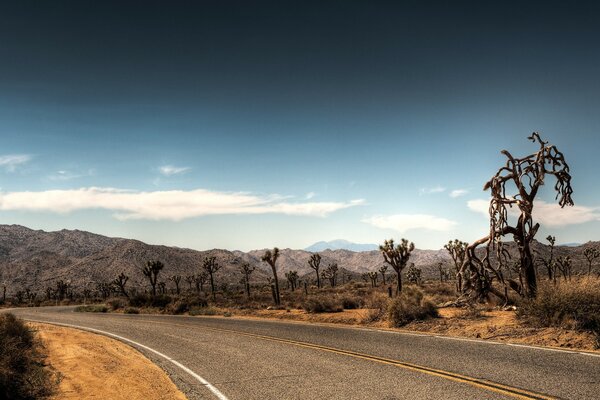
(321, 304)
(131, 310)
(571, 305)
(97, 308)
(22, 372)
(410, 305)
(139, 300)
(116, 304)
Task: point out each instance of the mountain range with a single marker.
(36, 259)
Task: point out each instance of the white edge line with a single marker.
(200, 379)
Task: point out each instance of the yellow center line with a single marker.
(480, 383)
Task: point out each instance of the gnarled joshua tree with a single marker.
(119, 282)
(397, 256)
(315, 263)
(246, 270)
(526, 174)
(151, 271)
(292, 278)
(176, 279)
(549, 262)
(591, 254)
(330, 273)
(457, 250)
(270, 257)
(211, 266)
(382, 271)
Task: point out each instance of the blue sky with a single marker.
(251, 125)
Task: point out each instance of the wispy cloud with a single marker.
(405, 222)
(169, 170)
(172, 205)
(458, 193)
(547, 214)
(10, 162)
(432, 190)
(64, 175)
(310, 195)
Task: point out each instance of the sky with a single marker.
(251, 124)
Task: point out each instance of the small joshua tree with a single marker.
(330, 273)
(315, 263)
(200, 280)
(397, 256)
(176, 279)
(270, 257)
(457, 250)
(211, 266)
(151, 272)
(119, 282)
(565, 266)
(190, 281)
(365, 277)
(246, 270)
(413, 274)
(526, 174)
(591, 254)
(549, 263)
(382, 271)
(373, 277)
(292, 278)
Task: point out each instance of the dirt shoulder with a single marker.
(94, 366)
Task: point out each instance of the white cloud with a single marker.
(547, 214)
(64, 175)
(11, 161)
(169, 170)
(432, 190)
(458, 192)
(172, 205)
(310, 195)
(406, 222)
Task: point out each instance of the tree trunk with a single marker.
(278, 299)
(212, 287)
(399, 287)
(528, 268)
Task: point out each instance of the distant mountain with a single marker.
(36, 259)
(340, 244)
(570, 244)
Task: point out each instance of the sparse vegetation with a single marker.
(410, 305)
(397, 256)
(23, 375)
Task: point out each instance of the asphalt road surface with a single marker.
(228, 358)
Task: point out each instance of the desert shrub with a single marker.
(145, 300)
(160, 301)
(139, 300)
(185, 304)
(203, 311)
(116, 303)
(410, 305)
(574, 305)
(350, 302)
(98, 308)
(376, 307)
(131, 310)
(22, 373)
(321, 304)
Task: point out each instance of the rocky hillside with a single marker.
(36, 259)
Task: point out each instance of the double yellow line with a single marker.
(480, 383)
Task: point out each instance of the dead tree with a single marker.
(397, 256)
(119, 282)
(458, 251)
(246, 271)
(176, 279)
(527, 174)
(151, 272)
(382, 271)
(270, 257)
(211, 266)
(315, 263)
(591, 254)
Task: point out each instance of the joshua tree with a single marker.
(365, 277)
(373, 277)
(331, 273)
(151, 271)
(246, 271)
(549, 263)
(162, 286)
(527, 175)
(382, 271)
(211, 266)
(105, 289)
(190, 281)
(176, 279)
(292, 278)
(413, 274)
(270, 257)
(61, 289)
(457, 250)
(397, 256)
(200, 280)
(591, 254)
(315, 263)
(119, 282)
(565, 265)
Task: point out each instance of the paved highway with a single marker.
(228, 358)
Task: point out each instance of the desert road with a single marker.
(228, 358)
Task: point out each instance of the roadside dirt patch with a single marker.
(96, 367)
